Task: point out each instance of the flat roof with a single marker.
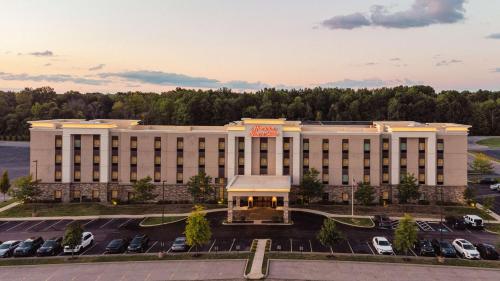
(256, 183)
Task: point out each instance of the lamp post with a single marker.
(163, 202)
(352, 198)
(441, 214)
(36, 169)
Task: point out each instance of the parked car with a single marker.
(139, 244)
(465, 249)
(382, 245)
(444, 248)
(117, 246)
(424, 248)
(28, 247)
(50, 247)
(488, 181)
(179, 244)
(495, 186)
(382, 221)
(487, 251)
(474, 221)
(456, 222)
(7, 248)
(87, 240)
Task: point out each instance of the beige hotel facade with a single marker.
(253, 162)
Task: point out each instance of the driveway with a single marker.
(161, 270)
(331, 270)
(473, 146)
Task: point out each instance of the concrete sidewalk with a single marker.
(258, 259)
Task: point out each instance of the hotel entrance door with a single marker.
(263, 201)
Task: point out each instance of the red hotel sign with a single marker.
(264, 131)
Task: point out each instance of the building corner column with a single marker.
(395, 161)
(430, 158)
(248, 155)
(104, 156)
(279, 155)
(296, 156)
(231, 156)
(66, 168)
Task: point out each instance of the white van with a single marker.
(474, 221)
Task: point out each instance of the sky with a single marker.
(110, 46)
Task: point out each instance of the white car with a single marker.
(382, 245)
(474, 221)
(465, 249)
(87, 240)
(495, 186)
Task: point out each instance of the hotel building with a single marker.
(253, 162)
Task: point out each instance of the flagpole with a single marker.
(352, 198)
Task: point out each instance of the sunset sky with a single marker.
(111, 46)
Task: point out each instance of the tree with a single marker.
(365, 193)
(197, 230)
(200, 187)
(470, 195)
(408, 189)
(143, 190)
(482, 165)
(25, 189)
(488, 203)
(310, 186)
(73, 235)
(405, 234)
(5, 183)
(328, 235)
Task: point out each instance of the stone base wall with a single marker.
(431, 194)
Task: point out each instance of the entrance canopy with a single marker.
(259, 183)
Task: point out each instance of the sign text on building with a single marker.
(264, 131)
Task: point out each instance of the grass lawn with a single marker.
(476, 153)
(490, 142)
(385, 259)
(364, 222)
(493, 227)
(5, 203)
(95, 209)
(158, 220)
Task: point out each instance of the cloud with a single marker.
(346, 22)
(47, 64)
(496, 70)
(395, 59)
(493, 36)
(244, 85)
(42, 54)
(368, 83)
(97, 67)
(447, 62)
(51, 78)
(422, 13)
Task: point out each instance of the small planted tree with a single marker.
(481, 165)
(310, 186)
(4, 183)
(73, 236)
(197, 230)
(200, 186)
(143, 190)
(365, 193)
(405, 234)
(329, 235)
(25, 189)
(488, 203)
(470, 195)
(408, 188)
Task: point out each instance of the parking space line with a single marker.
(85, 224)
(291, 245)
(16, 225)
(52, 225)
(106, 223)
(413, 252)
(34, 225)
(349, 244)
(190, 249)
(368, 244)
(151, 246)
(331, 250)
(310, 246)
(5, 222)
(125, 223)
(232, 244)
(148, 277)
(91, 247)
(449, 229)
(468, 230)
(209, 250)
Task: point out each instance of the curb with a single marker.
(158, 224)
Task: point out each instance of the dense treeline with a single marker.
(480, 109)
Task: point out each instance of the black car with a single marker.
(424, 248)
(117, 246)
(383, 221)
(50, 247)
(488, 181)
(487, 251)
(7, 248)
(139, 244)
(444, 248)
(28, 247)
(456, 222)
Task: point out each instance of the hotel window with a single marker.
(241, 155)
(95, 195)
(179, 177)
(366, 160)
(440, 179)
(180, 160)
(201, 160)
(402, 144)
(305, 155)
(403, 162)
(286, 144)
(180, 143)
(157, 176)
(263, 156)
(366, 163)
(345, 162)
(58, 141)
(77, 142)
(421, 162)
(366, 179)
(201, 144)
(77, 175)
(114, 159)
(114, 194)
(97, 141)
(306, 162)
(263, 161)
(222, 144)
(345, 179)
(421, 144)
(421, 178)
(325, 158)
(305, 145)
(221, 161)
(241, 161)
(440, 162)
(58, 158)
(385, 177)
(325, 145)
(325, 162)
(385, 144)
(385, 195)
(77, 194)
(366, 146)
(241, 143)
(345, 196)
(133, 176)
(157, 143)
(77, 159)
(133, 143)
(440, 145)
(114, 175)
(58, 175)
(385, 161)
(222, 157)
(96, 159)
(325, 178)
(95, 175)
(114, 142)
(345, 145)
(133, 160)
(286, 162)
(57, 195)
(263, 144)
(157, 160)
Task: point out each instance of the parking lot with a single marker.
(299, 237)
